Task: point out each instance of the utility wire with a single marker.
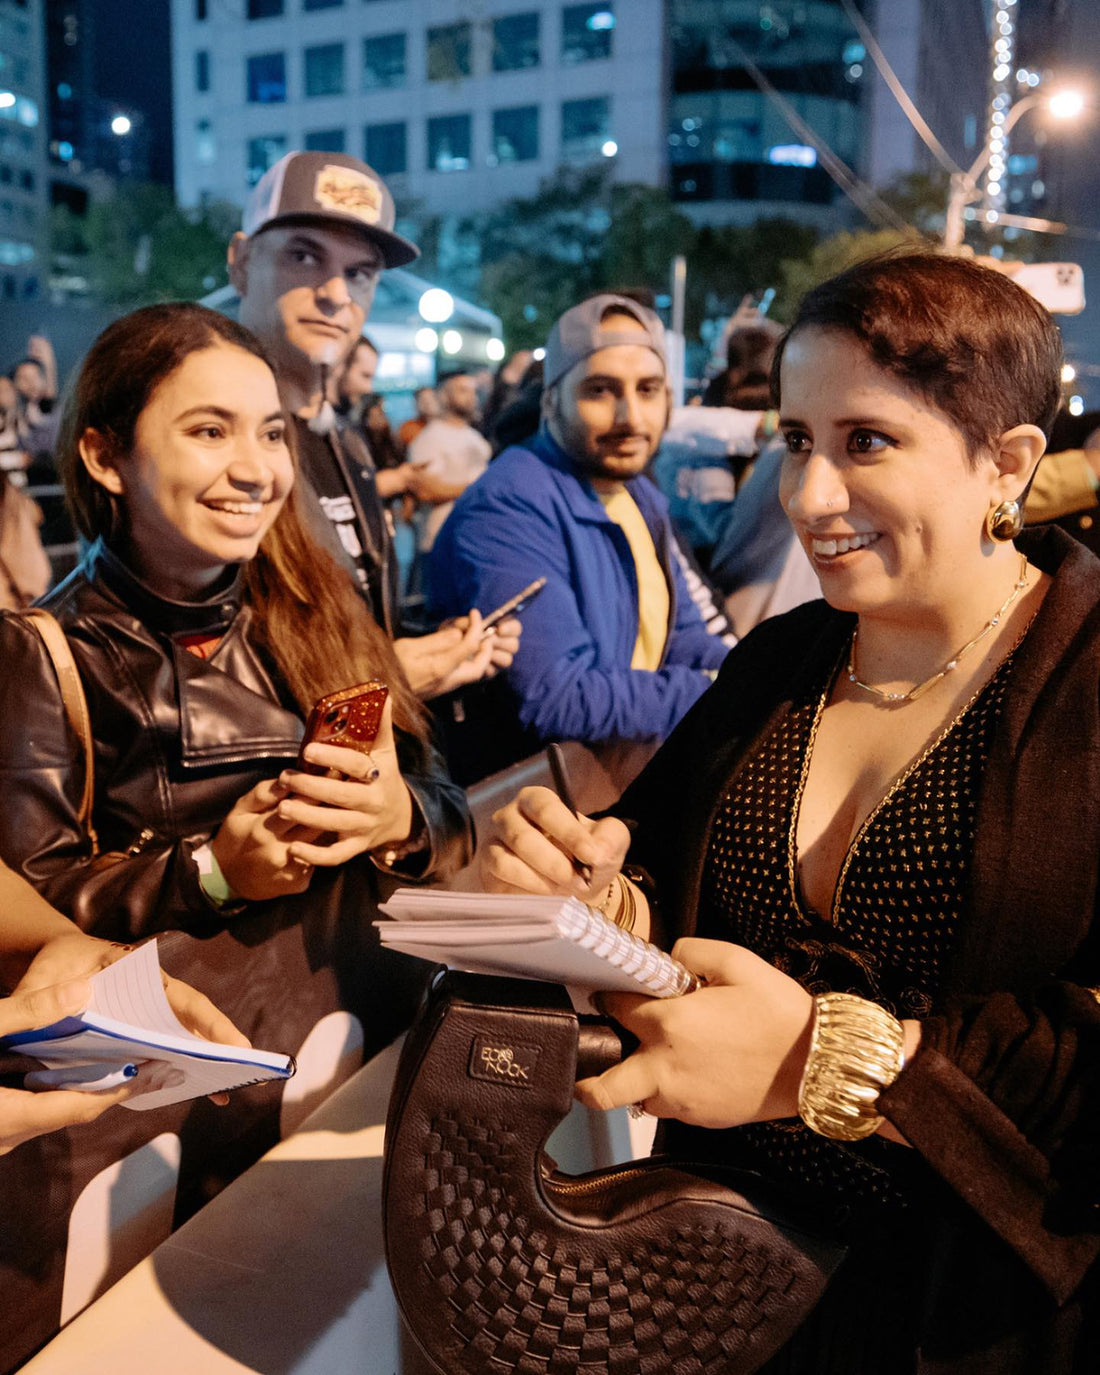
(862, 195)
(900, 94)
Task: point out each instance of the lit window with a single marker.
(324, 70)
(585, 126)
(516, 134)
(515, 42)
(206, 145)
(586, 32)
(263, 153)
(449, 138)
(383, 61)
(450, 53)
(267, 78)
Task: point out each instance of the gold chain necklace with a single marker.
(899, 698)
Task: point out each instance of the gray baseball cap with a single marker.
(328, 188)
(579, 333)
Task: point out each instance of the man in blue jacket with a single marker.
(614, 649)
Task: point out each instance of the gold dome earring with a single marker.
(1004, 522)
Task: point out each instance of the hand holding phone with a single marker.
(512, 607)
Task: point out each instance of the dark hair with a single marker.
(444, 377)
(117, 379)
(363, 340)
(965, 337)
(306, 610)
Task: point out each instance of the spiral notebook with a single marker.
(560, 940)
(129, 1020)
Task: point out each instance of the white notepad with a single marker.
(128, 1019)
(560, 940)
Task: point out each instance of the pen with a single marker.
(563, 790)
(84, 1078)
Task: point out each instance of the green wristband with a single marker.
(211, 879)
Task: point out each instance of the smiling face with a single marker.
(610, 410)
(877, 483)
(208, 472)
(305, 290)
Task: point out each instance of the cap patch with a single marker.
(347, 192)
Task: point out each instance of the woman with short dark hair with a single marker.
(880, 832)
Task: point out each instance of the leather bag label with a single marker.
(503, 1062)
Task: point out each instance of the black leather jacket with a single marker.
(178, 740)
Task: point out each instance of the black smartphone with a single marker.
(513, 606)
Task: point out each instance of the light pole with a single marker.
(964, 185)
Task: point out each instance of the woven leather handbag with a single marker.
(501, 1264)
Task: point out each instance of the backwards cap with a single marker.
(579, 333)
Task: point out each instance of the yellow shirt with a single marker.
(653, 594)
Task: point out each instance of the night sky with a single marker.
(133, 66)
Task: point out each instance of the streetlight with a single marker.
(964, 185)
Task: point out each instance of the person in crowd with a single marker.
(24, 567)
(1066, 486)
(878, 838)
(46, 962)
(203, 623)
(359, 405)
(614, 649)
(35, 380)
(317, 231)
(506, 387)
(447, 455)
(14, 458)
(202, 605)
(427, 409)
(519, 420)
(708, 448)
(354, 382)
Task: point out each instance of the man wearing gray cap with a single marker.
(318, 229)
(614, 649)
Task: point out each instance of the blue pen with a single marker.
(84, 1078)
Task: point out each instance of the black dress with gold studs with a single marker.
(895, 913)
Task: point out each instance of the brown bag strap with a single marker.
(76, 707)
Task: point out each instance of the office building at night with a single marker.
(24, 198)
(459, 112)
(462, 110)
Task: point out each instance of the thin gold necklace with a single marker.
(900, 698)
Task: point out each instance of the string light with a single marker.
(1002, 62)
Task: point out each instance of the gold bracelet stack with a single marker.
(855, 1053)
(627, 910)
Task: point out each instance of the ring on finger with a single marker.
(374, 773)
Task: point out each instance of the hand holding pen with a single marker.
(539, 843)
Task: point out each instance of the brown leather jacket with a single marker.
(178, 740)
